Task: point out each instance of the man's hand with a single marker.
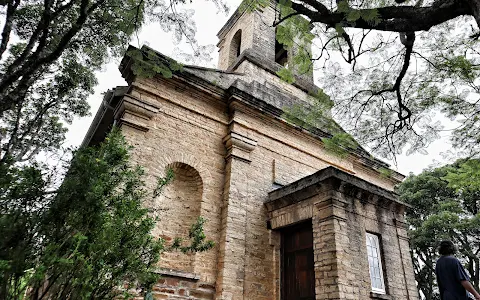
(468, 286)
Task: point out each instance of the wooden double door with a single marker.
(298, 276)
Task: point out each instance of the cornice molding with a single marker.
(135, 112)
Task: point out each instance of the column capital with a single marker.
(239, 146)
(135, 112)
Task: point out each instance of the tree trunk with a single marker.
(476, 276)
(475, 6)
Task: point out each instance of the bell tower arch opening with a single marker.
(251, 36)
(281, 54)
(235, 47)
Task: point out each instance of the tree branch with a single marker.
(7, 28)
(31, 66)
(392, 18)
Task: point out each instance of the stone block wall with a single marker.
(173, 287)
(245, 23)
(186, 133)
(233, 157)
(340, 224)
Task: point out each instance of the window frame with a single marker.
(376, 239)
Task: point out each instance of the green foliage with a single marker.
(466, 178)
(22, 198)
(294, 33)
(316, 116)
(460, 66)
(147, 63)
(444, 206)
(89, 238)
(343, 6)
(353, 14)
(251, 5)
(163, 181)
(371, 16)
(386, 173)
(197, 236)
(49, 54)
(340, 144)
(286, 75)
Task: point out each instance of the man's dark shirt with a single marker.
(450, 273)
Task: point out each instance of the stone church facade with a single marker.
(290, 220)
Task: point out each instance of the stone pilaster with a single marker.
(330, 237)
(411, 293)
(239, 146)
(231, 263)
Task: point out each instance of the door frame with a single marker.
(304, 224)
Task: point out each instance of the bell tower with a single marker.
(252, 36)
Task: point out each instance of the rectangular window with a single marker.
(375, 263)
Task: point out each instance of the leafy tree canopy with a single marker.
(88, 238)
(445, 205)
(49, 51)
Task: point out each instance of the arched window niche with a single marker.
(177, 208)
(235, 47)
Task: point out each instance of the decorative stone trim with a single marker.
(239, 146)
(135, 112)
(400, 224)
(380, 296)
(177, 273)
(292, 216)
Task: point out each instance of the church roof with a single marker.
(264, 97)
(310, 186)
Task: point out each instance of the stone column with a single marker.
(411, 293)
(330, 240)
(231, 263)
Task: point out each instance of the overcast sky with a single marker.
(208, 24)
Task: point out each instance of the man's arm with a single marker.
(468, 286)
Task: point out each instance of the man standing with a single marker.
(453, 281)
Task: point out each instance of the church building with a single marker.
(290, 220)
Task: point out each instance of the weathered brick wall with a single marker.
(192, 130)
(296, 154)
(340, 224)
(172, 287)
(246, 24)
(258, 34)
(264, 32)
(264, 77)
(341, 216)
(178, 206)
(191, 141)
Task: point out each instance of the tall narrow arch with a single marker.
(281, 54)
(177, 208)
(235, 47)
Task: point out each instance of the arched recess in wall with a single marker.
(235, 47)
(177, 207)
